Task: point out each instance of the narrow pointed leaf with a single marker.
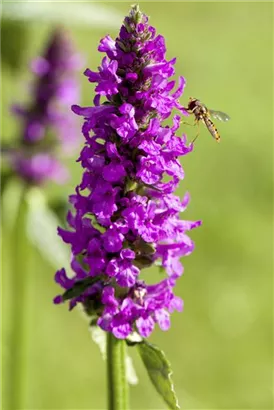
(79, 287)
(41, 229)
(159, 372)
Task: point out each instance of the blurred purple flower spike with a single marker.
(46, 121)
(126, 216)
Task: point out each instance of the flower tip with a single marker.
(75, 108)
(136, 14)
(135, 7)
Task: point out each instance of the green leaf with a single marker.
(142, 262)
(144, 248)
(79, 287)
(159, 372)
(42, 230)
(94, 222)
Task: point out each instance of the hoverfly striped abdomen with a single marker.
(212, 129)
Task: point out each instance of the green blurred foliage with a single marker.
(12, 51)
(221, 347)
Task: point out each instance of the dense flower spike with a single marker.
(47, 114)
(126, 216)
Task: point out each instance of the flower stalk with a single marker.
(21, 262)
(116, 374)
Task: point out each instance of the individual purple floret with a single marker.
(46, 118)
(126, 216)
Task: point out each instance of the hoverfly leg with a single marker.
(187, 123)
(192, 142)
(198, 133)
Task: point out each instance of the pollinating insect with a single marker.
(203, 114)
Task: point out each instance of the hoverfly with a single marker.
(203, 114)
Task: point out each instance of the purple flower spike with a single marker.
(126, 215)
(53, 91)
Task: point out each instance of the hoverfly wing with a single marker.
(219, 115)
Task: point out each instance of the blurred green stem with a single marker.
(116, 374)
(20, 254)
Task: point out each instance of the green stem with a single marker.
(20, 259)
(116, 373)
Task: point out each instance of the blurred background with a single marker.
(221, 346)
